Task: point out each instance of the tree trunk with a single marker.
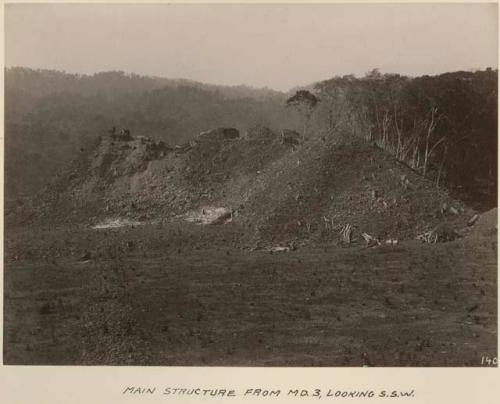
(441, 167)
(430, 130)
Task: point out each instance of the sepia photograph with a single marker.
(251, 185)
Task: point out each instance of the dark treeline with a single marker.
(444, 127)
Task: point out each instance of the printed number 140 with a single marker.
(486, 360)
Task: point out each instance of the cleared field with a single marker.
(409, 305)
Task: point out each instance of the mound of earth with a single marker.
(278, 191)
(319, 190)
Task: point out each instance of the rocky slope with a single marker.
(277, 188)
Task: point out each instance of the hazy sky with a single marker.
(278, 46)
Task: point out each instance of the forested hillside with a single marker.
(444, 127)
(50, 115)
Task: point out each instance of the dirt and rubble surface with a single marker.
(147, 254)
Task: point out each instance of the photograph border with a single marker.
(106, 384)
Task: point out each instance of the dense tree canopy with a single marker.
(443, 126)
